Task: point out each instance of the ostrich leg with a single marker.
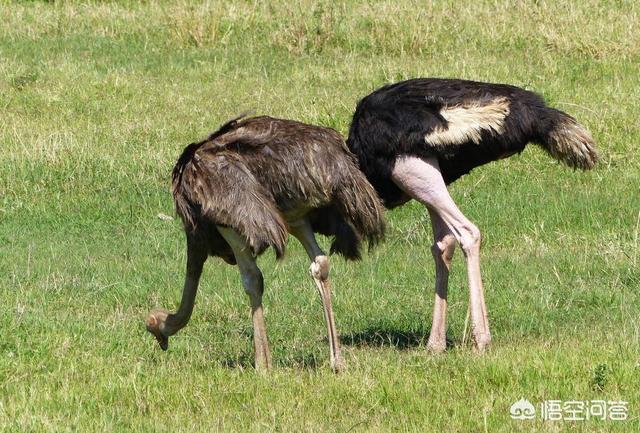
(421, 179)
(254, 286)
(162, 324)
(320, 272)
(444, 244)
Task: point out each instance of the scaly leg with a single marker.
(320, 273)
(254, 286)
(444, 244)
(422, 180)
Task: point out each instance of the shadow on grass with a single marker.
(299, 362)
(388, 336)
(385, 337)
(243, 361)
(374, 336)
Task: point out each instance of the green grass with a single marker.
(98, 99)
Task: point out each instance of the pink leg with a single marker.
(444, 245)
(421, 179)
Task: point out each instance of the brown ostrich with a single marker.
(415, 137)
(245, 188)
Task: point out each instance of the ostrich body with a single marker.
(415, 137)
(245, 188)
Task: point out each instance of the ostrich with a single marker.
(247, 186)
(415, 137)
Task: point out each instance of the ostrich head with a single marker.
(155, 325)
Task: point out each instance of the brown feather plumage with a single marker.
(257, 174)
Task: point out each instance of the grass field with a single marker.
(98, 99)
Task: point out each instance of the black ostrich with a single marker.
(415, 137)
(245, 188)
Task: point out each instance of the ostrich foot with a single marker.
(436, 346)
(155, 323)
(338, 365)
(481, 342)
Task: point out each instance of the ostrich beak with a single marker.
(163, 341)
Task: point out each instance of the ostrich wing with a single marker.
(218, 187)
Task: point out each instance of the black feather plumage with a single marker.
(396, 119)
